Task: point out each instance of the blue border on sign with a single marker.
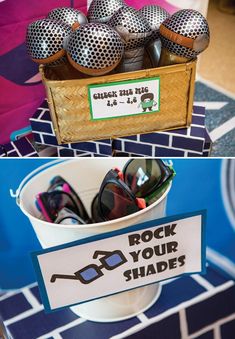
(137, 227)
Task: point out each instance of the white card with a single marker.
(120, 99)
(117, 261)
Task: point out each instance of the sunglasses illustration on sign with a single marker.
(89, 273)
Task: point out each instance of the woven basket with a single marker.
(70, 111)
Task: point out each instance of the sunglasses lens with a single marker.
(114, 260)
(141, 175)
(89, 274)
(116, 203)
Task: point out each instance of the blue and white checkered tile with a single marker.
(189, 307)
(220, 120)
(124, 154)
(186, 142)
(43, 133)
(19, 148)
(66, 152)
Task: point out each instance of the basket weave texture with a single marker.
(70, 112)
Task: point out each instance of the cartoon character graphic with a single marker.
(147, 102)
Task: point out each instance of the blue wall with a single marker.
(197, 186)
(17, 236)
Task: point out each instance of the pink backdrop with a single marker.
(20, 86)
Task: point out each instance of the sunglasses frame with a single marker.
(96, 217)
(53, 189)
(112, 177)
(59, 181)
(168, 172)
(68, 214)
(43, 204)
(107, 255)
(97, 268)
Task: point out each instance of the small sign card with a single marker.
(121, 260)
(124, 98)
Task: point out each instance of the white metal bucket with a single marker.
(85, 176)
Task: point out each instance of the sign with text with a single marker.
(119, 99)
(117, 261)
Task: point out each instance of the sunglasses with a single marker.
(67, 217)
(141, 182)
(89, 273)
(61, 195)
(127, 192)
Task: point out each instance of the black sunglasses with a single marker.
(124, 193)
(58, 196)
(121, 193)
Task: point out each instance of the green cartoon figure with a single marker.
(147, 102)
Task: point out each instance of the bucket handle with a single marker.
(16, 194)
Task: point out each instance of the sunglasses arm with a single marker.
(119, 173)
(141, 203)
(62, 276)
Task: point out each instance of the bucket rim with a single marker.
(98, 224)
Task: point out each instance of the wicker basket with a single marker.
(70, 111)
